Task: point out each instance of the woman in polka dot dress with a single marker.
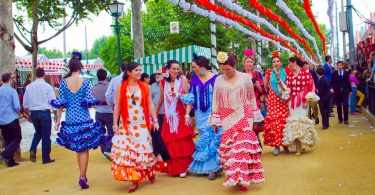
(132, 153)
(177, 136)
(277, 105)
(299, 129)
(235, 110)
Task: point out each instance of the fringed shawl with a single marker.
(300, 86)
(196, 86)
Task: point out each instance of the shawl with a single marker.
(170, 103)
(273, 80)
(145, 91)
(203, 89)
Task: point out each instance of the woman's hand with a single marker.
(115, 129)
(57, 124)
(155, 126)
(187, 121)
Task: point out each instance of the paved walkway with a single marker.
(343, 163)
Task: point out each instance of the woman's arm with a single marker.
(161, 98)
(116, 111)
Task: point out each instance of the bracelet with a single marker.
(114, 126)
(56, 117)
(156, 120)
(187, 116)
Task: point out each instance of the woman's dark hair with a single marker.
(168, 66)
(300, 62)
(129, 67)
(144, 76)
(152, 79)
(232, 60)
(202, 61)
(74, 65)
(189, 75)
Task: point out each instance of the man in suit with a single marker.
(322, 85)
(341, 89)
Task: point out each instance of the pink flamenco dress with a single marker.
(235, 110)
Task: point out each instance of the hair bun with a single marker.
(77, 55)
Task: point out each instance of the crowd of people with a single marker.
(145, 124)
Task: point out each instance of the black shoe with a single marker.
(33, 156)
(324, 128)
(340, 122)
(317, 121)
(49, 161)
(331, 115)
(10, 162)
(346, 122)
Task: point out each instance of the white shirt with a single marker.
(38, 95)
(110, 94)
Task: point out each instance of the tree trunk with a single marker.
(138, 39)
(7, 45)
(34, 38)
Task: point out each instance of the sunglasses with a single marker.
(158, 73)
(133, 100)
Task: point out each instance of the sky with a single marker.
(98, 26)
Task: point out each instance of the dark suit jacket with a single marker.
(323, 88)
(314, 76)
(341, 86)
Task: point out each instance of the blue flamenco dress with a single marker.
(78, 132)
(206, 155)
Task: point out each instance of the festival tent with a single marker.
(183, 55)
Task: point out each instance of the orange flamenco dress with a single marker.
(132, 152)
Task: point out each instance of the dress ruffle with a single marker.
(301, 128)
(188, 98)
(181, 153)
(80, 137)
(206, 154)
(240, 157)
(57, 103)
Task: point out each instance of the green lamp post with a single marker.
(116, 9)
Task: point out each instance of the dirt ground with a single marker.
(342, 163)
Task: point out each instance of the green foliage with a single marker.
(108, 53)
(98, 44)
(51, 54)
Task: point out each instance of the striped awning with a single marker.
(183, 55)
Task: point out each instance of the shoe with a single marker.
(212, 176)
(286, 149)
(346, 122)
(133, 188)
(317, 121)
(49, 161)
(276, 151)
(331, 115)
(33, 156)
(10, 163)
(242, 188)
(107, 155)
(83, 184)
(298, 153)
(340, 122)
(324, 128)
(152, 179)
(183, 175)
(355, 113)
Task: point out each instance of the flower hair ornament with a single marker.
(77, 55)
(292, 55)
(276, 54)
(165, 72)
(222, 57)
(248, 53)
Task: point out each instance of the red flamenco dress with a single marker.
(277, 110)
(177, 137)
